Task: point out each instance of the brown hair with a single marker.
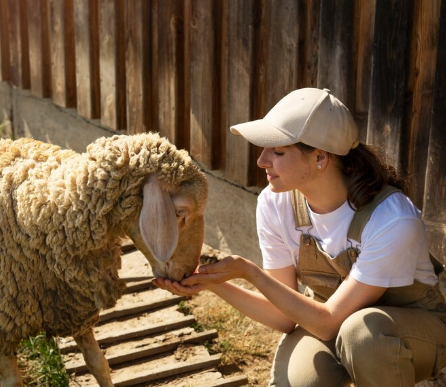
(367, 173)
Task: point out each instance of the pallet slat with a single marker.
(143, 330)
(140, 302)
(143, 348)
(143, 374)
(204, 379)
(168, 370)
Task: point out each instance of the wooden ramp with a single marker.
(148, 341)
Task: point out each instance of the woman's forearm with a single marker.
(253, 305)
(321, 319)
(311, 315)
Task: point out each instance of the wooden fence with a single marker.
(191, 68)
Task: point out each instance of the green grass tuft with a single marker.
(41, 363)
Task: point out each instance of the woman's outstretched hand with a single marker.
(177, 288)
(228, 268)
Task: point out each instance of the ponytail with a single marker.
(367, 174)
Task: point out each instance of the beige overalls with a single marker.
(399, 341)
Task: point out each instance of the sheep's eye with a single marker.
(180, 213)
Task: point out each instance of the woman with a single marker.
(333, 219)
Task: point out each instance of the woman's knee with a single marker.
(368, 334)
(305, 361)
(362, 331)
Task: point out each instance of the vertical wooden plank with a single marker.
(240, 86)
(335, 66)
(39, 48)
(173, 119)
(18, 43)
(154, 65)
(283, 49)
(434, 209)
(62, 48)
(4, 41)
(112, 63)
(276, 58)
(138, 67)
(202, 57)
(221, 103)
(152, 55)
(14, 43)
(261, 51)
(205, 83)
(308, 23)
(24, 43)
(121, 94)
(262, 26)
(387, 93)
(187, 12)
(365, 12)
(421, 77)
(86, 32)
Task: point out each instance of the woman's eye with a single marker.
(278, 153)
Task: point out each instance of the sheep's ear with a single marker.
(157, 221)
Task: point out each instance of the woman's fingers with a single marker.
(228, 268)
(198, 279)
(229, 263)
(177, 288)
(162, 283)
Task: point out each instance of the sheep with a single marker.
(63, 216)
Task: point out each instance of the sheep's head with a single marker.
(170, 228)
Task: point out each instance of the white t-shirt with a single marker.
(393, 251)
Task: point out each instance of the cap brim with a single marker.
(263, 134)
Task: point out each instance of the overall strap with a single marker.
(360, 219)
(301, 217)
(363, 215)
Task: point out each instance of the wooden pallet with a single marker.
(147, 340)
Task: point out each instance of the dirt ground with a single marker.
(247, 346)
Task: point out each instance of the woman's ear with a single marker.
(322, 158)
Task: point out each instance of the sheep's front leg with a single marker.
(94, 358)
(9, 372)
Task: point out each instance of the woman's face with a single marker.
(287, 167)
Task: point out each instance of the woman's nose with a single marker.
(263, 160)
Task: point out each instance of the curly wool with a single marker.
(62, 215)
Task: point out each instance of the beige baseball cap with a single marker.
(311, 116)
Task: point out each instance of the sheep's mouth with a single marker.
(177, 278)
(160, 273)
(172, 276)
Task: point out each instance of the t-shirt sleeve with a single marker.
(275, 253)
(389, 253)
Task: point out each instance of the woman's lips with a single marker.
(270, 176)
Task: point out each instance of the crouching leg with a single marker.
(390, 346)
(94, 358)
(9, 372)
(302, 360)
